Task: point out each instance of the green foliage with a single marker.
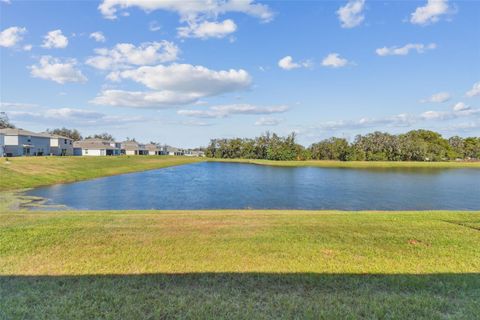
(103, 136)
(267, 146)
(416, 145)
(73, 134)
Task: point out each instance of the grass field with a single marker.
(359, 164)
(240, 264)
(30, 172)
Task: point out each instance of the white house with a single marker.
(96, 147)
(60, 146)
(172, 151)
(153, 149)
(19, 142)
(133, 148)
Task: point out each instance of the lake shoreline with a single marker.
(31, 172)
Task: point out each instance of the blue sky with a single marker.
(183, 72)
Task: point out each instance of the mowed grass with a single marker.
(239, 264)
(30, 172)
(360, 164)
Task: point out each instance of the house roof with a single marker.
(132, 145)
(55, 136)
(21, 132)
(94, 144)
(152, 147)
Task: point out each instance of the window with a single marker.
(65, 141)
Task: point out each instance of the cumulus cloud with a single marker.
(123, 55)
(144, 99)
(287, 63)
(197, 15)
(173, 85)
(264, 121)
(402, 51)
(27, 47)
(188, 78)
(73, 116)
(437, 98)
(11, 36)
(55, 39)
(334, 60)
(206, 29)
(351, 15)
(97, 36)
(460, 106)
(224, 111)
(189, 10)
(430, 12)
(475, 91)
(60, 71)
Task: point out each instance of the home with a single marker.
(194, 153)
(60, 146)
(154, 149)
(133, 148)
(96, 147)
(19, 142)
(172, 151)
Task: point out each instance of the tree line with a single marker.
(415, 145)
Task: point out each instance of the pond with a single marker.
(216, 185)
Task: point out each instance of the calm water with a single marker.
(237, 186)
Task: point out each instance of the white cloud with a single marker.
(97, 36)
(73, 116)
(142, 99)
(154, 26)
(188, 79)
(189, 10)
(27, 47)
(224, 111)
(6, 1)
(402, 51)
(54, 69)
(334, 60)
(287, 63)
(267, 122)
(460, 106)
(206, 29)
(475, 91)
(430, 13)
(437, 98)
(173, 85)
(11, 36)
(123, 55)
(55, 39)
(351, 15)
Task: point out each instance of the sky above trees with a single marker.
(183, 72)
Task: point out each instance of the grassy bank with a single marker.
(240, 264)
(359, 164)
(29, 172)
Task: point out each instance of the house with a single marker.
(172, 151)
(154, 149)
(19, 142)
(60, 146)
(96, 147)
(194, 153)
(133, 148)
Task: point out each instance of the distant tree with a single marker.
(130, 139)
(330, 149)
(73, 134)
(102, 136)
(5, 122)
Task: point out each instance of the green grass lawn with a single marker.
(359, 164)
(30, 172)
(239, 264)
